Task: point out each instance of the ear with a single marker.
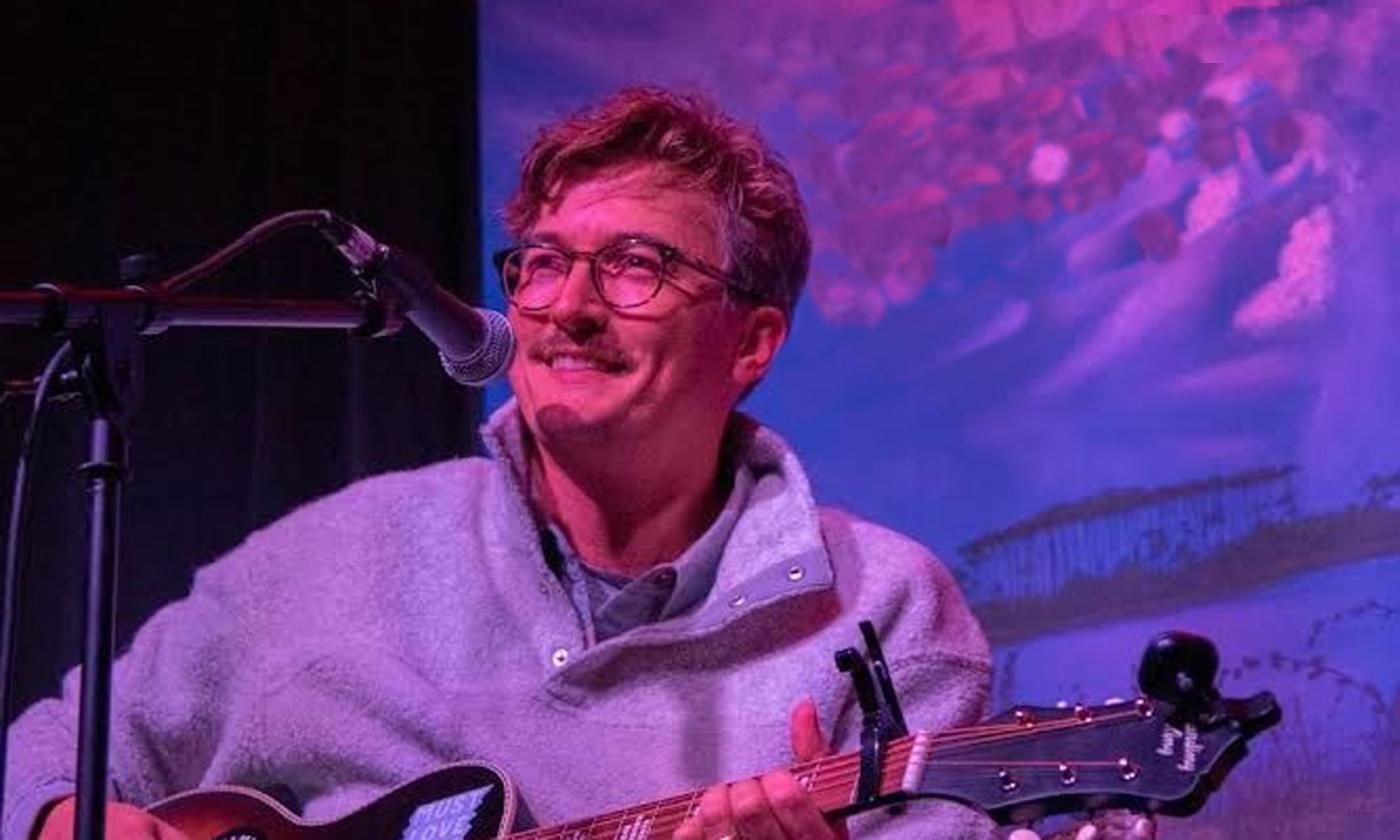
(765, 330)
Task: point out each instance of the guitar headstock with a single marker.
(1161, 754)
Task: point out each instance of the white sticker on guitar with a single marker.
(638, 829)
(1191, 746)
(445, 818)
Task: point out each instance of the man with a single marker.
(618, 606)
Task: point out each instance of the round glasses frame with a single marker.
(669, 257)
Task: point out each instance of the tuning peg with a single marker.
(1179, 667)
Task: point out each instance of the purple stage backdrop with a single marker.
(1101, 309)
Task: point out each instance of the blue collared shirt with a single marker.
(609, 604)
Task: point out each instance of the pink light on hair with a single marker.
(768, 242)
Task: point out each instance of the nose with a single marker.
(579, 309)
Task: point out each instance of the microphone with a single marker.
(474, 345)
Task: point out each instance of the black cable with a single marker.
(19, 511)
(253, 235)
(18, 520)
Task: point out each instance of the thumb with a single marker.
(808, 742)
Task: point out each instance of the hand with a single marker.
(772, 807)
(124, 822)
(1106, 825)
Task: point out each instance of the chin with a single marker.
(575, 402)
(562, 420)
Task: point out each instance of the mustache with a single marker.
(601, 348)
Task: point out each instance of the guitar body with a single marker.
(467, 801)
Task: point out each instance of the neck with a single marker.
(830, 781)
(627, 513)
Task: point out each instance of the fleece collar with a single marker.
(775, 550)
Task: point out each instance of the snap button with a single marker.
(738, 601)
(559, 657)
(795, 573)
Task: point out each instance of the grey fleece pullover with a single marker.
(410, 621)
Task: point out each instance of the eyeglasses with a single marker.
(626, 273)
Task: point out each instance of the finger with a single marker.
(716, 821)
(1125, 825)
(58, 823)
(1087, 831)
(165, 831)
(753, 815)
(805, 729)
(689, 829)
(795, 809)
(1083, 831)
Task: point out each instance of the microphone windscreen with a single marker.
(491, 357)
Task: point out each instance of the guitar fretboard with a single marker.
(831, 782)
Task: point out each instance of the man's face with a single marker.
(664, 374)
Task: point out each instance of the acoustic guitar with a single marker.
(1163, 753)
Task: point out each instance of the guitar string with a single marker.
(664, 824)
(665, 818)
(840, 765)
(619, 817)
(1041, 728)
(616, 820)
(898, 753)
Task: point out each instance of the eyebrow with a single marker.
(555, 240)
(545, 238)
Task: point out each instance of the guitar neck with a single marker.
(1027, 763)
(831, 782)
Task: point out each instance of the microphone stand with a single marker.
(103, 326)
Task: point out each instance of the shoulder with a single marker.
(874, 550)
(349, 534)
(402, 498)
(448, 481)
(883, 573)
(843, 529)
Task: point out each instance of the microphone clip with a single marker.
(384, 312)
(385, 308)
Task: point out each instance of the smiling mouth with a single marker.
(579, 362)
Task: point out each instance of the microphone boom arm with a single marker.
(58, 308)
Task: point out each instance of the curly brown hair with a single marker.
(769, 247)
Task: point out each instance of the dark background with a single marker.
(170, 128)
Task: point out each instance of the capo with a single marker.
(892, 716)
(882, 719)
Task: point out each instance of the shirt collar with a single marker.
(661, 592)
(696, 567)
(776, 548)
